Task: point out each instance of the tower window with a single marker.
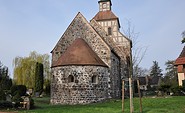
(94, 79)
(70, 78)
(109, 31)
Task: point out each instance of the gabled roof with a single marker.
(181, 59)
(79, 53)
(105, 15)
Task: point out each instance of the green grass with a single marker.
(150, 105)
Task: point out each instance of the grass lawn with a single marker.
(150, 105)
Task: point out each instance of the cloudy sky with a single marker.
(36, 25)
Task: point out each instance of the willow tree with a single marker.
(24, 68)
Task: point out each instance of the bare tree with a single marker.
(138, 52)
(137, 56)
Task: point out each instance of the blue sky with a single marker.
(37, 25)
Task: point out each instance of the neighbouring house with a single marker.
(90, 59)
(143, 82)
(155, 81)
(180, 64)
(149, 82)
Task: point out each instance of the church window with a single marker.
(70, 78)
(94, 79)
(109, 31)
(53, 77)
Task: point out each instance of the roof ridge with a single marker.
(103, 15)
(78, 14)
(182, 54)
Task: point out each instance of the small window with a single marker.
(109, 31)
(94, 79)
(70, 78)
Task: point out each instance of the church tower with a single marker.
(110, 22)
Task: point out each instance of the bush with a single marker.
(5, 104)
(31, 103)
(47, 89)
(2, 95)
(17, 97)
(177, 91)
(21, 89)
(183, 83)
(13, 90)
(165, 88)
(17, 91)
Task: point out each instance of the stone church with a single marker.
(90, 59)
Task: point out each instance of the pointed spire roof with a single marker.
(79, 53)
(181, 59)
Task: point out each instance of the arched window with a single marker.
(109, 31)
(94, 79)
(70, 78)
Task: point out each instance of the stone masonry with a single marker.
(83, 90)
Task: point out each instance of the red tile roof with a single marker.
(105, 15)
(181, 59)
(79, 53)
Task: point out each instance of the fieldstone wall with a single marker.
(82, 90)
(80, 28)
(115, 77)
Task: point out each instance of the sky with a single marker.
(37, 25)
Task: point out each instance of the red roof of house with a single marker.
(105, 15)
(79, 53)
(181, 59)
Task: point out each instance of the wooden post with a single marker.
(123, 94)
(130, 82)
(131, 96)
(139, 92)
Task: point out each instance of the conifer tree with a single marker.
(39, 78)
(183, 37)
(155, 69)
